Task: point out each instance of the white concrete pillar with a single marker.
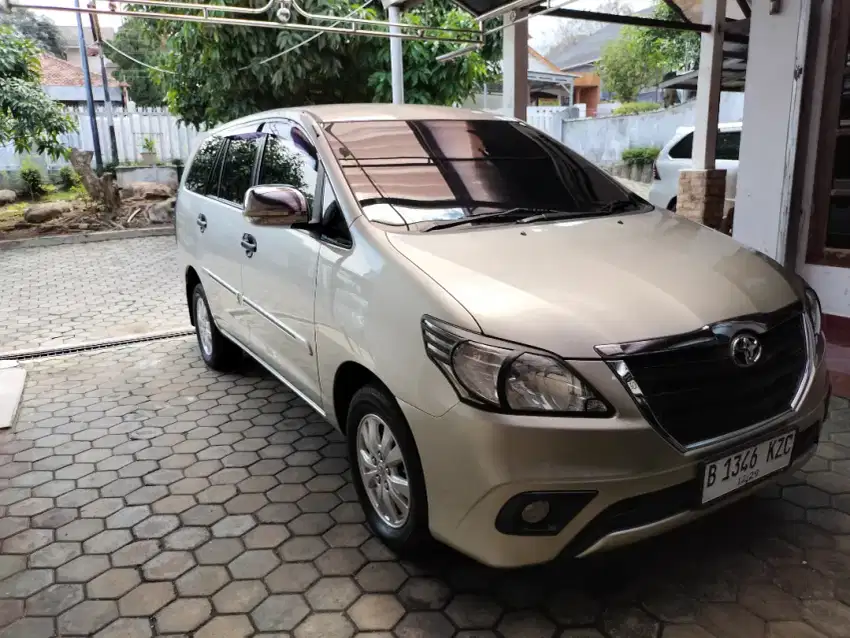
(707, 105)
(774, 84)
(515, 67)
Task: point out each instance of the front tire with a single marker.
(386, 470)
(217, 351)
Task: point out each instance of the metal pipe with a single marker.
(391, 23)
(580, 14)
(396, 59)
(84, 60)
(451, 55)
(208, 7)
(256, 23)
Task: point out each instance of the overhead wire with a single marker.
(252, 64)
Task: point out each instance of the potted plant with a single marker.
(148, 150)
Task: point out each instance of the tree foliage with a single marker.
(626, 67)
(28, 117)
(675, 50)
(135, 38)
(41, 29)
(218, 73)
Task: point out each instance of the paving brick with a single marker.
(376, 611)
(240, 597)
(113, 583)
(280, 612)
(230, 626)
(204, 580)
(82, 569)
(127, 628)
(54, 600)
(168, 565)
(87, 617)
(183, 615)
(146, 599)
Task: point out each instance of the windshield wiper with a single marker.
(503, 215)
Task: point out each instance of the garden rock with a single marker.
(7, 197)
(161, 212)
(40, 213)
(148, 190)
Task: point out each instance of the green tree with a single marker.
(218, 73)
(29, 119)
(41, 29)
(137, 39)
(626, 66)
(675, 50)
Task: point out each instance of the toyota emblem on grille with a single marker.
(746, 350)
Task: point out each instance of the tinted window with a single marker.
(198, 177)
(684, 148)
(238, 167)
(335, 227)
(403, 173)
(289, 158)
(728, 145)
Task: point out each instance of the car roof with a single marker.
(326, 113)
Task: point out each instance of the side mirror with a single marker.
(276, 205)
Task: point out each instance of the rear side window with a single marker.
(198, 177)
(684, 148)
(238, 167)
(728, 146)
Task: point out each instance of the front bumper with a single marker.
(475, 462)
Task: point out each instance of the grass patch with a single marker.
(15, 212)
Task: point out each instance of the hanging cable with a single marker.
(247, 66)
(303, 42)
(131, 58)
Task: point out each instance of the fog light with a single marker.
(535, 512)
(540, 513)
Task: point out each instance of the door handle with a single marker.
(202, 222)
(249, 244)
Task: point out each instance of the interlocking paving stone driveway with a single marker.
(144, 495)
(55, 295)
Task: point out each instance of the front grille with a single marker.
(697, 393)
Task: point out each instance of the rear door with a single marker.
(225, 226)
(280, 278)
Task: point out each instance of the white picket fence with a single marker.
(173, 140)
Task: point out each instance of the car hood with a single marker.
(569, 286)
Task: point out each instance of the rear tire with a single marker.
(217, 351)
(386, 471)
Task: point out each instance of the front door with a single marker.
(279, 280)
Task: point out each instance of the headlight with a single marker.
(505, 376)
(813, 309)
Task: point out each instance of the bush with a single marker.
(641, 155)
(68, 178)
(633, 108)
(33, 181)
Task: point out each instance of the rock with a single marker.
(148, 190)
(40, 213)
(7, 197)
(161, 212)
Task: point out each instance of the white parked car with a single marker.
(676, 156)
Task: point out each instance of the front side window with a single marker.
(422, 173)
(198, 177)
(289, 159)
(238, 167)
(684, 148)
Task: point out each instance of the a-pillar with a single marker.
(702, 190)
(515, 66)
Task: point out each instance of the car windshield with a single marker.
(427, 174)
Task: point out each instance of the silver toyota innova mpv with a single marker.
(526, 359)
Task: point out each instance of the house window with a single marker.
(829, 170)
(838, 219)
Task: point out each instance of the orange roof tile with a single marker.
(56, 72)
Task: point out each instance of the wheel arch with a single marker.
(349, 378)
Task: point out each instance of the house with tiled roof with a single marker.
(64, 82)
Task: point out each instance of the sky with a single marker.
(542, 30)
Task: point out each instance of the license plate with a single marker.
(735, 471)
